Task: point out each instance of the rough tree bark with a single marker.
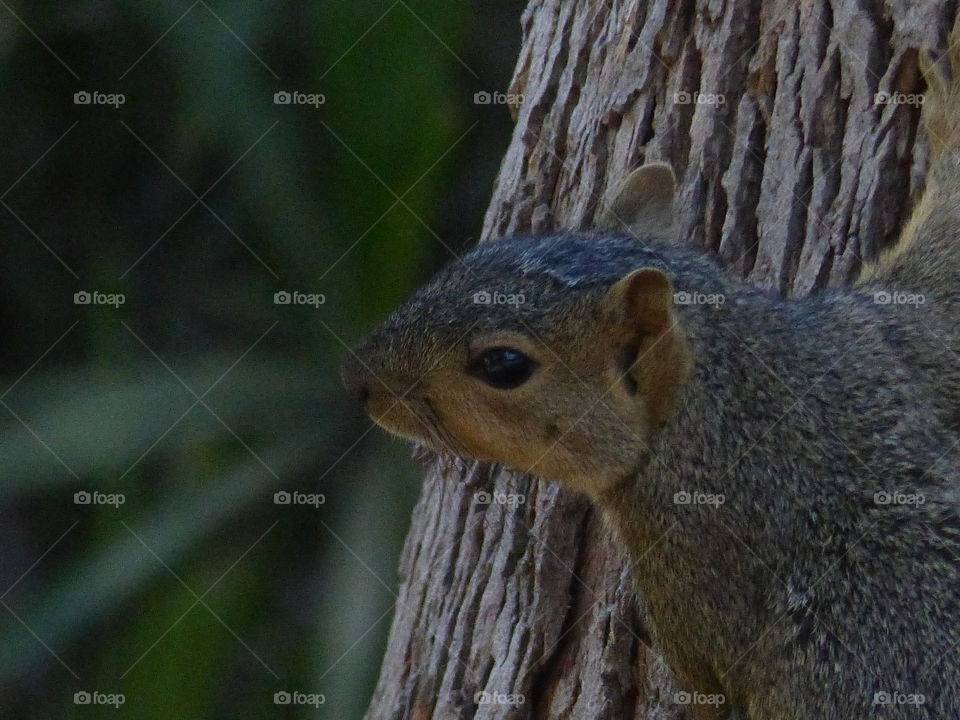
(791, 181)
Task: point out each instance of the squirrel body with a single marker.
(783, 474)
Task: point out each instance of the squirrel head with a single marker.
(557, 355)
(524, 356)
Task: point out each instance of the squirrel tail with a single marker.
(927, 257)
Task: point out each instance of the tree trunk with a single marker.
(790, 171)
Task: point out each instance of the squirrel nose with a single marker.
(356, 378)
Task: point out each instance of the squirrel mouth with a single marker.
(444, 442)
(416, 420)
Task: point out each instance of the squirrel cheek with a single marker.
(470, 427)
(485, 434)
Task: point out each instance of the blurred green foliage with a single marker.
(198, 398)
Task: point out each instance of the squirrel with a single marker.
(783, 474)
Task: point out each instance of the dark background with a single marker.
(198, 398)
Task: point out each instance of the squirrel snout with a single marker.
(356, 378)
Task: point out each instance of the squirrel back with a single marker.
(923, 268)
(927, 257)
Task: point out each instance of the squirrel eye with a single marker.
(503, 368)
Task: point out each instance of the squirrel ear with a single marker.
(639, 307)
(643, 202)
(641, 302)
